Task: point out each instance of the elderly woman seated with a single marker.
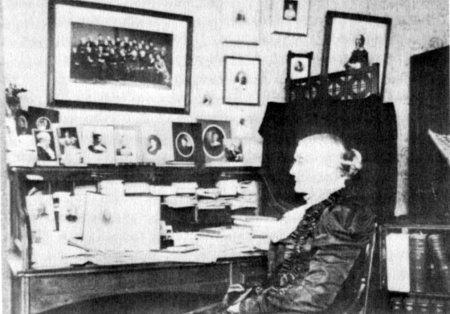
(320, 240)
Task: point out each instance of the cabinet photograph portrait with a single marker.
(70, 147)
(214, 135)
(156, 143)
(98, 144)
(46, 149)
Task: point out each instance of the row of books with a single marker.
(427, 305)
(429, 263)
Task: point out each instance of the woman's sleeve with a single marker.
(336, 250)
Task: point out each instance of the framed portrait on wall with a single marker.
(241, 21)
(70, 146)
(156, 143)
(354, 41)
(242, 80)
(98, 144)
(46, 148)
(109, 57)
(214, 135)
(299, 65)
(290, 17)
(126, 144)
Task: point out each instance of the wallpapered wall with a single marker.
(417, 26)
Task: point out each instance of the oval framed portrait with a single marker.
(154, 144)
(212, 138)
(184, 144)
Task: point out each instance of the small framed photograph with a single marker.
(98, 144)
(299, 65)
(290, 17)
(22, 124)
(187, 141)
(242, 80)
(214, 134)
(233, 150)
(70, 146)
(125, 144)
(354, 41)
(241, 21)
(46, 148)
(156, 143)
(42, 118)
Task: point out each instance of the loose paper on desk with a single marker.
(397, 262)
(122, 223)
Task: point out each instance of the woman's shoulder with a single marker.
(349, 218)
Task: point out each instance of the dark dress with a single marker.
(361, 56)
(308, 269)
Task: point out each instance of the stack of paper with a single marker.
(185, 187)
(180, 201)
(136, 187)
(162, 190)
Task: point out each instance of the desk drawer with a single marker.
(47, 292)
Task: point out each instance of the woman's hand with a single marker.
(287, 224)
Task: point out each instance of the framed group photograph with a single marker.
(299, 65)
(98, 144)
(354, 41)
(110, 57)
(241, 21)
(70, 146)
(242, 80)
(46, 148)
(290, 17)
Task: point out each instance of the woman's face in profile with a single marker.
(316, 166)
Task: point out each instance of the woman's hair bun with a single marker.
(352, 162)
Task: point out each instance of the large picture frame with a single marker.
(242, 81)
(119, 58)
(346, 49)
(290, 17)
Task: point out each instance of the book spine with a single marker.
(441, 261)
(417, 260)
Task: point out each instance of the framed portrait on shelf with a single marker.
(241, 21)
(110, 57)
(290, 17)
(42, 118)
(299, 65)
(156, 143)
(126, 144)
(97, 143)
(354, 41)
(214, 135)
(187, 142)
(70, 146)
(242, 80)
(46, 148)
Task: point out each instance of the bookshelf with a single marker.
(421, 261)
